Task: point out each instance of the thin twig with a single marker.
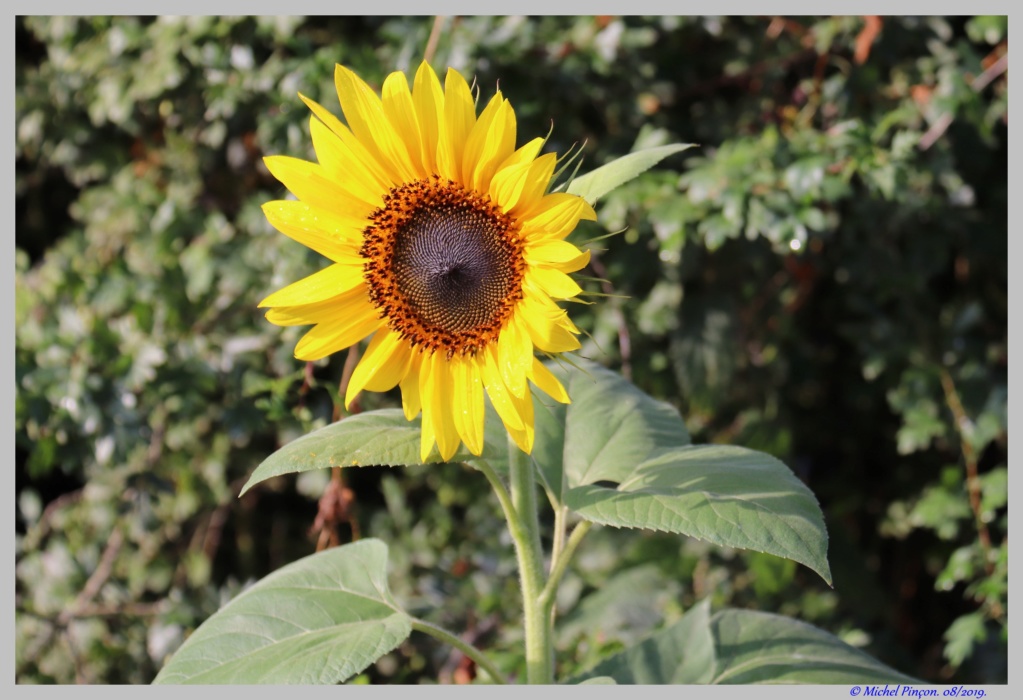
(55, 625)
(215, 529)
(99, 577)
(89, 591)
(937, 129)
(351, 361)
(431, 43)
(207, 535)
(76, 658)
(36, 534)
(963, 426)
(307, 382)
(335, 504)
(990, 73)
(129, 609)
(979, 83)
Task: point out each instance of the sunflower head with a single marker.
(445, 247)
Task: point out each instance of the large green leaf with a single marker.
(595, 184)
(617, 457)
(759, 647)
(682, 653)
(609, 428)
(374, 438)
(321, 619)
(729, 496)
(743, 646)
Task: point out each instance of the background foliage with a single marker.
(823, 279)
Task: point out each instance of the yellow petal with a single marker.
(313, 185)
(365, 116)
(370, 161)
(499, 395)
(523, 437)
(553, 338)
(459, 118)
(352, 305)
(548, 383)
(384, 365)
(457, 375)
(325, 284)
(539, 177)
(558, 254)
(491, 141)
(330, 336)
(410, 402)
(508, 185)
(575, 264)
(468, 402)
(555, 216)
(397, 104)
(429, 102)
(556, 283)
(435, 389)
(525, 154)
(343, 167)
(549, 329)
(427, 436)
(516, 355)
(331, 234)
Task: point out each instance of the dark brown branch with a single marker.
(961, 421)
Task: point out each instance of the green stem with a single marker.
(468, 649)
(502, 494)
(560, 565)
(539, 645)
(558, 543)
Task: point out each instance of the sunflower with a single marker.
(446, 247)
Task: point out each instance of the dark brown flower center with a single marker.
(444, 265)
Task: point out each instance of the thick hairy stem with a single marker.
(539, 646)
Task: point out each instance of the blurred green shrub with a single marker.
(827, 281)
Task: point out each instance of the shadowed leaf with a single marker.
(321, 619)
